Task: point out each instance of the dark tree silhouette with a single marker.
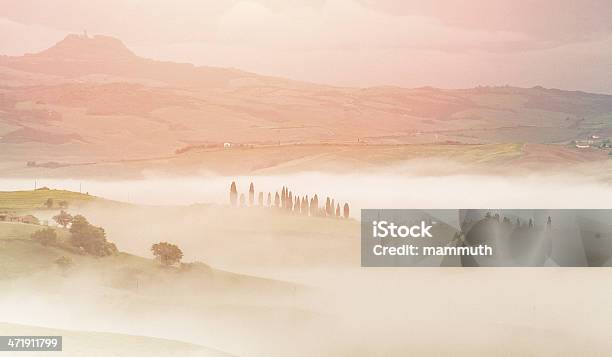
(290, 201)
(90, 238)
(311, 208)
(304, 207)
(168, 254)
(297, 205)
(328, 208)
(233, 195)
(283, 197)
(63, 218)
(45, 236)
(346, 210)
(49, 203)
(251, 195)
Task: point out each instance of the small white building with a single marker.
(227, 145)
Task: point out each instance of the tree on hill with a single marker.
(311, 208)
(46, 236)
(346, 210)
(338, 210)
(49, 203)
(63, 218)
(296, 206)
(233, 194)
(90, 238)
(168, 254)
(283, 198)
(304, 206)
(251, 195)
(63, 204)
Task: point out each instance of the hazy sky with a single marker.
(558, 43)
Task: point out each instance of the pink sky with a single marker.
(562, 44)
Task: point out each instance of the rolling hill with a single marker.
(92, 100)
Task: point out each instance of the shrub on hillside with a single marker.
(63, 218)
(90, 238)
(168, 254)
(46, 236)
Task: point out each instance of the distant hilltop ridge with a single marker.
(82, 54)
(88, 47)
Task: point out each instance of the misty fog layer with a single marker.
(365, 190)
(316, 300)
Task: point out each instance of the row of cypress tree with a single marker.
(286, 201)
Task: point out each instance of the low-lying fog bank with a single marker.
(366, 190)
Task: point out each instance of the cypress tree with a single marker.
(327, 207)
(277, 200)
(251, 194)
(305, 205)
(269, 203)
(311, 208)
(296, 206)
(233, 194)
(338, 210)
(346, 210)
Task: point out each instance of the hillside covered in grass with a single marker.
(43, 198)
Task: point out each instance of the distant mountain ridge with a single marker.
(92, 97)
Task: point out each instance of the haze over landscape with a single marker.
(132, 118)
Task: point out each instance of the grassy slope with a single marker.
(35, 199)
(21, 256)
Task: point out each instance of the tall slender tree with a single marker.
(233, 194)
(277, 201)
(311, 208)
(346, 211)
(269, 203)
(297, 206)
(251, 194)
(338, 211)
(328, 208)
(305, 205)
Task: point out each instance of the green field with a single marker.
(36, 199)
